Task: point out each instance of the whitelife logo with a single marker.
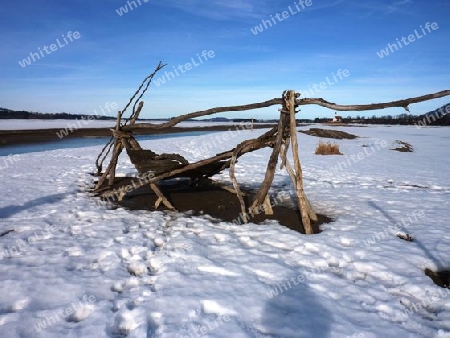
(129, 6)
(169, 75)
(266, 24)
(69, 37)
(391, 48)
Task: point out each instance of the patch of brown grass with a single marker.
(327, 148)
(404, 147)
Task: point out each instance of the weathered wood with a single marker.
(116, 153)
(249, 146)
(312, 214)
(134, 144)
(114, 160)
(103, 154)
(115, 156)
(136, 114)
(206, 112)
(120, 134)
(373, 106)
(167, 166)
(284, 150)
(236, 185)
(267, 206)
(161, 198)
(303, 206)
(147, 160)
(271, 166)
(148, 79)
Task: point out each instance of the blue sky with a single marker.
(115, 52)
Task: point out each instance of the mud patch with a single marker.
(328, 133)
(440, 278)
(210, 200)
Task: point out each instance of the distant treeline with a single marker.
(438, 117)
(12, 114)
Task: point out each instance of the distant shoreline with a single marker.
(14, 137)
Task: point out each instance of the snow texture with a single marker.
(72, 267)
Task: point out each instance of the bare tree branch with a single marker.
(372, 106)
(211, 111)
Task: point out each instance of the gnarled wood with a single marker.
(373, 106)
(272, 164)
(236, 185)
(206, 112)
(303, 205)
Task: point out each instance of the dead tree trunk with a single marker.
(302, 201)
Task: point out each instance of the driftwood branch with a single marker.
(373, 106)
(303, 205)
(147, 80)
(161, 198)
(200, 113)
(299, 102)
(272, 164)
(136, 113)
(236, 185)
(248, 146)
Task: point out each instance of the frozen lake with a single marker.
(80, 142)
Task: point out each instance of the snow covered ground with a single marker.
(70, 267)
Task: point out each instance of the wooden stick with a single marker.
(161, 198)
(284, 150)
(236, 185)
(138, 111)
(303, 206)
(115, 159)
(312, 214)
(271, 165)
(116, 153)
(267, 206)
(134, 144)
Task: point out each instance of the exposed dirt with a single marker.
(328, 133)
(440, 278)
(209, 200)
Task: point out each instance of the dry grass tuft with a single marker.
(403, 147)
(327, 149)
